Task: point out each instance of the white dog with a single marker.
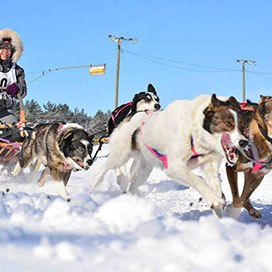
(169, 139)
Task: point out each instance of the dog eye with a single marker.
(81, 149)
(228, 124)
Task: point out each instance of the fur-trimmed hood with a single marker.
(16, 42)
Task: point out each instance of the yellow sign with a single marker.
(97, 69)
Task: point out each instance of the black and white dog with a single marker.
(143, 101)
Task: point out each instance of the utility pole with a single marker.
(119, 40)
(244, 62)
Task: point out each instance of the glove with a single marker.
(12, 89)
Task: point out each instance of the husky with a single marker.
(257, 161)
(61, 148)
(147, 102)
(144, 101)
(185, 135)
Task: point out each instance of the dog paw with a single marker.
(134, 191)
(41, 183)
(233, 212)
(217, 203)
(255, 213)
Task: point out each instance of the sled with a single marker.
(12, 137)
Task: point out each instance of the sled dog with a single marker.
(185, 135)
(147, 102)
(257, 162)
(61, 148)
(143, 101)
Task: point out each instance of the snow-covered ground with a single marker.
(166, 230)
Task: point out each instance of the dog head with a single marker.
(265, 110)
(77, 147)
(146, 101)
(225, 119)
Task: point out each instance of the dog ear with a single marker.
(207, 119)
(66, 142)
(151, 89)
(90, 137)
(215, 101)
(234, 103)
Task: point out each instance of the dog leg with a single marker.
(233, 210)
(123, 177)
(251, 210)
(179, 171)
(252, 181)
(43, 177)
(62, 189)
(34, 170)
(211, 169)
(114, 161)
(17, 169)
(66, 177)
(139, 175)
(233, 178)
(122, 180)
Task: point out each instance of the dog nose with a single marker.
(90, 162)
(157, 106)
(243, 143)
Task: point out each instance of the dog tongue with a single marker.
(80, 163)
(225, 139)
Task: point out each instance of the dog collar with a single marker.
(65, 167)
(60, 130)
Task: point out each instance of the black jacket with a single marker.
(5, 66)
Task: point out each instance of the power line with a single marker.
(151, 58)
(221, 69)
(260, 74)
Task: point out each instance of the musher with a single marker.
(12, 76)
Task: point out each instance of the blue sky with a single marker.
(185, 48)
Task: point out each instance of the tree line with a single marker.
(49, 112)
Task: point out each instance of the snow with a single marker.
(169, 228)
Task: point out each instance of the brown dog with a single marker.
(258, 129)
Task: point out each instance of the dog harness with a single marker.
(117, 111)
(162, 157)
(256, 166)
(242, 106)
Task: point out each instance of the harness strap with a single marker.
(242, 106)
(116, 112)
(195, 155)
(162, 157)
(7, 141)
(60, 130)
(65, 167)
(256, 166)
(265, 134)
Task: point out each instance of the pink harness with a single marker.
(164, 158)
(256, 166)
(116, 112)
(242, 106)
